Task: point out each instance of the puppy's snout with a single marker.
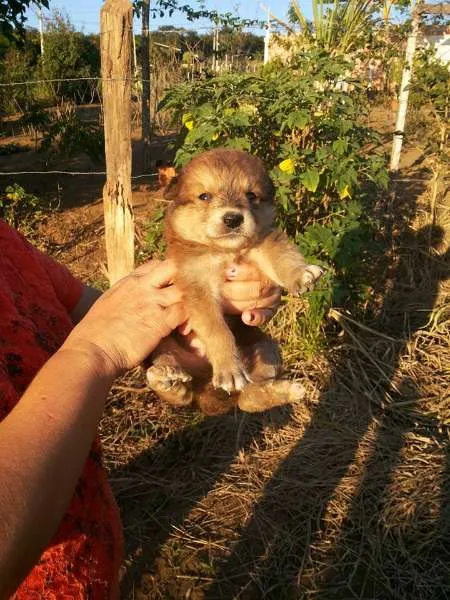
(233, 219)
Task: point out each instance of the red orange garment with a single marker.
(36, 298)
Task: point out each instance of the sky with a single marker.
(85, 14)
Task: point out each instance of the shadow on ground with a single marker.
(359, 507)
(278, 558)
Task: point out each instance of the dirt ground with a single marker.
(346, 495)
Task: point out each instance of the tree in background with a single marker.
(12, 15)
(19, 61)
(70, 54)
(18, 52)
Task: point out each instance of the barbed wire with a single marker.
(174, 27)
(72, 79)
(73, 173)
(414, 180)
(99, 78)
(144, 175)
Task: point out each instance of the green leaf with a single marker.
(239, 143)
(310, 179)
(239, 119)
(340, 146)
(298, 119)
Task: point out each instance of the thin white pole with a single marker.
(41, 31)
(404, 91)
(135, 64)
(267, 39)
(215, 62)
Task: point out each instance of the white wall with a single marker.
(441, 44)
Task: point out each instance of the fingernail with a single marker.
(232, 271)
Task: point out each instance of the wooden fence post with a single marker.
(116, 52)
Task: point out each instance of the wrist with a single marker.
(91, 357)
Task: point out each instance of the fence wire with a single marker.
(144, 175)
(74, 173)
(72, 79)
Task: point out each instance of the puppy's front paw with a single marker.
(308, 278)
(231, 379)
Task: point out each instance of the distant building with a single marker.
(437, 37)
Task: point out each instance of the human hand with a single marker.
(249, 293)
(129, 320)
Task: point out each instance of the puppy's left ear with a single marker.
(170, 193)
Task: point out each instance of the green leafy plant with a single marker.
(64, 132)
(154, 244)
(311, 135)
(431, 95)
(11, 148)
(17, 207)
(337, 26)
(431, 100)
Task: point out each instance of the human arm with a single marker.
(45, 439)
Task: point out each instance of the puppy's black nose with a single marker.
(233, 219)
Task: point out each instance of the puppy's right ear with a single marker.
(170, 193)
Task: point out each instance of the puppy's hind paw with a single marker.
(296, 392)
(171, 382)
(311, 274)
(231, 380)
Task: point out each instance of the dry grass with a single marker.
(345, 496)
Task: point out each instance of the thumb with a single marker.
(175, 315)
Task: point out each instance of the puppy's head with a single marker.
(223, 199)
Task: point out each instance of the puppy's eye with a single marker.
(206, 197)
(251, 196)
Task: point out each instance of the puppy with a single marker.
(222, 211)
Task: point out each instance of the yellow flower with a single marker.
(345, 193)
(248, 109)
(188, 121)
(287, 166)
(215, 136)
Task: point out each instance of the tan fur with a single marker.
(222, 211)
(165, 175)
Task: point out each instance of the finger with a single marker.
(175, 315)
(240, 290)
(160, 274)
(248, 290)
(243, 272)
(167, 296)
(257, 317)
(235, 307)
